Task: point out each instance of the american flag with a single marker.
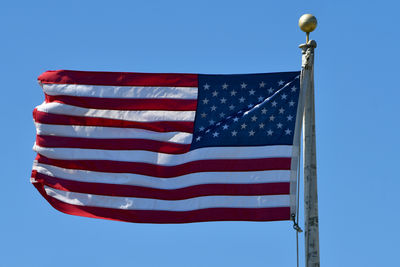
(169, 148)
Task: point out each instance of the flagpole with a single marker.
(307, 24)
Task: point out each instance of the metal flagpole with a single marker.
(308, 23)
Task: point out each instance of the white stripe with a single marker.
(120, 91)
(111, 133)
(166, 159)
(128, 115)
(132, 203)
(253, 177)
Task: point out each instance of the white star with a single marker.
(251, 92)
(284, 96)
(206, 86)
(242, 99)
(270, 90)
(198, 138)
(270, 132)
(291, 103)
(298, 76)
(272, 118)
(279, 125)
(234, 133)
(213, 108)
(289, 118)
(219, 123)
(235, 119)
(215, 134)
(223, 100)
(243, 85)
(250, 105)
(243, 126)
(231, 107)
(260, 98)
(205, 101)
(274, 104)
(254, 118)
(294, 88)
(211, 122)
(225, 86)
(225, 127)
(264, 111)
(233, 93)
(251, 133)
(203, 115)
(262, 84)
(281, 110)
(201, 129)
(281, 82)
(221, 114)
(288, 131)
(208, 130)
(261, 125)
(215, 93)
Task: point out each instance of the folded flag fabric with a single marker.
(169, 148)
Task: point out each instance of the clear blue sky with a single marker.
(357, 96)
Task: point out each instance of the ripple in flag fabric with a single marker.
(169, 148)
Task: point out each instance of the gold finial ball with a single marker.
(307, 23)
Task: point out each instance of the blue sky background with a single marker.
(357, 100)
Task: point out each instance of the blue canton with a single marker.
(246, 109)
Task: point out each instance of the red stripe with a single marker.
(154, 216)
(112, 144)
(173, 194)
(118, 78)
(124, 103)
(171, 171)
(158, 126)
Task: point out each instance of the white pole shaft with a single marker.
(309, 158)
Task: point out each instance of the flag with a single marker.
(169, 148)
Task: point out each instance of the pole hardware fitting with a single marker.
(295, 224)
